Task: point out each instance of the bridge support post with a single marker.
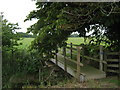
(105, 59)
(64, 53)
(83, 52)
(119, 67)
(56, 57)
(71, 50)
(78, 64)
(101, 58)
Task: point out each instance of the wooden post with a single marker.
(64, 53)
(78, 64)
(119, 68)
(105, 59)
(1, 52)
(63, 50)
(101, 58)
(56, 57)
(83, 52)
(71, 50)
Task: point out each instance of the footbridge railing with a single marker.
(74, 55)
(75, 64)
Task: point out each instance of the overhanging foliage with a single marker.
(56, 21)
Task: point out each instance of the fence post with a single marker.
(83, 52)
(64, 53)
(105, 59)
(56, 57)
(101, 58)
(71, 50)
(119, 67)
(78, 64)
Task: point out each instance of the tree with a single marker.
(9, 41)
(56, 21)
(17, 63)
(74, 35)
(9, 36)
(47, 28)
(26, 35)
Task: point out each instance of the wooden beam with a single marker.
(73, 61)
(112, 60)
(113, 65)
(101, 58)
(94, 59)
(56, 57)
(105, 59)
(113, 53)
(113, 71)
(83, 52)
(64, 53)
(78, 62)
(119, 67)
(71, 50)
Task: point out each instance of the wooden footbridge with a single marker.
(79, 67)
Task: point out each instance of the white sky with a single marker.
(15, 11)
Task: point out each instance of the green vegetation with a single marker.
(17, 63)
(110, 82)
(9, 40)
(25, 43)
(75, 40)
(56, 22)
(59, 20)
(26, 35)
(71, 83)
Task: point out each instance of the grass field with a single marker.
(75, 40)
(27, 41)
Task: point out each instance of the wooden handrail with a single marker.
(80, 64)
(102, 58)
(73, 44)
(71, 60)
(70, 48)
(112, 53)
(87, 57)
